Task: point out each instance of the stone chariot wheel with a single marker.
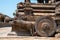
(45, 26)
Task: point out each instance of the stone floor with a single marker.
(28, 38)
(4, 31)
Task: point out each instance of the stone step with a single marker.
(21, 33)
(44, 11)
(57, 35)
(12, 34)
(28, 38)
(39, 6)
(39, 10)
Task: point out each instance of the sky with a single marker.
(8, 7)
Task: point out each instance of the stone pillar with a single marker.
(52, 1)
(27, 1)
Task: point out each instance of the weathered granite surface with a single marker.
(4, 31)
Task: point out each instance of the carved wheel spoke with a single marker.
(45, 27)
